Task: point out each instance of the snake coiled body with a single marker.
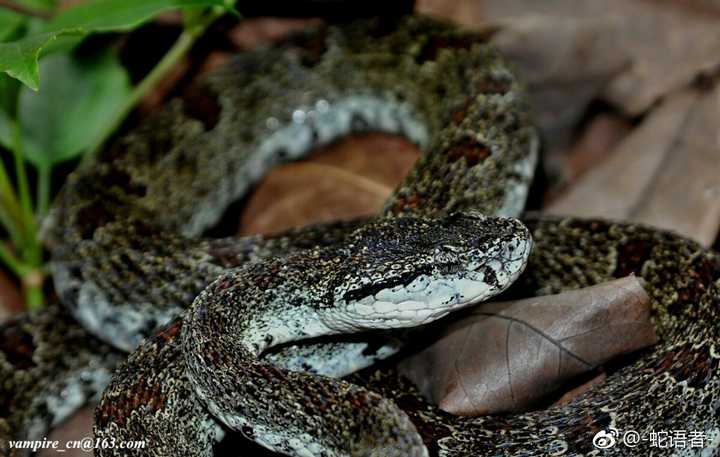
(128, 256)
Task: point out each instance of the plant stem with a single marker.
(169, 60)
(13, 263)
(43, 190)
(31, 249)
(8, 200)
(12, 216)
(32, 285)
(9, 225)
(22, 227)
(31, 277)
(19, 219)
(21, 177)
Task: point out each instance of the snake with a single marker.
(287, 339)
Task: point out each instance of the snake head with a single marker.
(408, 271)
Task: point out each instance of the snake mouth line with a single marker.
(430, 296)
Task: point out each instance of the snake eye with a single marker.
(471, 215)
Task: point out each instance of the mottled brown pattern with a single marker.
(675, 384)
(42, 354)
(472, 150)
(155, 393)
(631, 256)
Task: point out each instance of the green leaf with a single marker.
(121, 15)
(10, 22)
(9, 90)
(60, 122)
(19, 59)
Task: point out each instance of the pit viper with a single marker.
(259, 334)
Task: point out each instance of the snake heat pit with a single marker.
(215, 327)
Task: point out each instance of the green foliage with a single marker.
(10, 22)
(80, 103)
(19, 59)
(121, 15)
(55, 130)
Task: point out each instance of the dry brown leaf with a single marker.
(685, 194)
(505, 356)
(254, 32)
(565, 67)
(664, 44)
(611, 187)
(75, 428)
(627, 53)
(349, 179)
(663, 174)
(602, 135)
(563, 62)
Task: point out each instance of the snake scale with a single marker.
(218, 321)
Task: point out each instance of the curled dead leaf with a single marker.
(663, 174)
(252, 33)
(664, 44)
(76, 428)
(506, 356)
(349, 179)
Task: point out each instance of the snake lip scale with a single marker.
(266, 335)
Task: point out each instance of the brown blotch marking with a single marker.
(435, 44)
(225, 283)
(430, 432)
(597, 226)
(141, 394)
(201, 105)
(167, 334)
(493, 86)
(459, 115)
(226, 256)
(213, 356)
(700, 274)
(313, 46)
(114, 152)
(17, 346)
(468, 147)
(407, 203)
(265, 275)
(686, 365)
(118, 409)
(102, 194)
(91, 217)
(588, 425)
(631, 257)
(120, 179)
